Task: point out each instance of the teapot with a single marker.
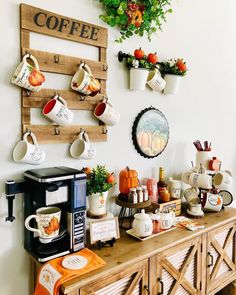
(142, 224)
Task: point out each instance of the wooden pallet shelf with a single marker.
(48, 23)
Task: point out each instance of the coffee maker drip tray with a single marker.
(56, 248)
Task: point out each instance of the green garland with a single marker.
(141, 17)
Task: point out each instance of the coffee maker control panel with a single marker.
(78, 231)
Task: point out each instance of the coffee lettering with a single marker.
(84, 31)
(67, 26)
(52, 24)
(74, 27)
(36, 18)
(94, 34)
(64, 23)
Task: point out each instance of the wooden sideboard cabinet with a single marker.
(178, 262)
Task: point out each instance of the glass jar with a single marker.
(133, 197)
(156, 221)
(140, 194)
(145, 193)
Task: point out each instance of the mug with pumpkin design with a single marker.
(84, 82)
(48, 223)
(28, 76)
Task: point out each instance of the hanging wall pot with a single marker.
(150, 132)
(138, 78)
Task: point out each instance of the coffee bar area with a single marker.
(114, 188)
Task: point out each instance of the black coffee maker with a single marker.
(64, 188)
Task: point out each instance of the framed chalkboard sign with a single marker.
(150, 132)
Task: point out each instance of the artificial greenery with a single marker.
(173, 67)
(97, 180)
(141, 17)
(142, 63)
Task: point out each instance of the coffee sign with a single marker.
(49, 23)
(104, 230)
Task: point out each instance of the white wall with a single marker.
(203, 32)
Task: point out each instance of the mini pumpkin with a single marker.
(127, 179)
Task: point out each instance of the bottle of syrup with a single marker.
(161, 185)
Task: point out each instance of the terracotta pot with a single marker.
(97, 203)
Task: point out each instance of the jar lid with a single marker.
(144, 187)
(142, 215)
(132, 189)
(139, 188)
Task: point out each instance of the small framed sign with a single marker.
(104, 230)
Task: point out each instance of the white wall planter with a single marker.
(138, 78)
(172, 83)
(97, 203)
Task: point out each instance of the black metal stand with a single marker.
(109, 242)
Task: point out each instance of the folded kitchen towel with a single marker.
(57, 271)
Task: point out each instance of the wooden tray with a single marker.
(131, 233)
(131, 205)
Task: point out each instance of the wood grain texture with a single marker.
(62, 30)
(67, 65)
(128, 251)
(47, 133)
(74, 100)
(37, 20)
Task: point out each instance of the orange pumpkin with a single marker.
(127, 178)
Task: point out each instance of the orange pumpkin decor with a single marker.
(127, 178)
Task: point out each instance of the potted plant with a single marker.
(173, 70)
(99, 181)
(135, 16)
(139, 65)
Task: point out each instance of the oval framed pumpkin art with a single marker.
(150, 132)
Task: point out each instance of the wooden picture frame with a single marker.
(104, 230)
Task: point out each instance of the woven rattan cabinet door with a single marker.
(132, 280)
(221, 267)
(177, 271)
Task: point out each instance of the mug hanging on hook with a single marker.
(106, 113)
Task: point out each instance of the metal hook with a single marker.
(81, 130)
(82, 98)
(57, 131)
(56, 59)
(56, 94)
(105, 99)
(28, 52)
(81, 63)
(28, 93)
(28, 130)
(104, 130)
(105, 67)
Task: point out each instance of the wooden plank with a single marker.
(47, 133)
(25, 40)
(103, 54)
(64, 64)
(135, 282)
(49, 23)
(74, 100)
(25, 115)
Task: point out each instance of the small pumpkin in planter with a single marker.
(127, 179)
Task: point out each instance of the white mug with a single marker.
(155, 81)
(200, 180)
(81, 148)
(202, 159)
(222, 180)
(191, 195)
(175, 188)
(212, 202)
(167, 219)
(84, 82)
(27, 76)
(106, 113)
(185, 177)
(48, 223)
(56, 110)
(26, 152)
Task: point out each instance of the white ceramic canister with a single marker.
(142, 224)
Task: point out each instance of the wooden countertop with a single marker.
(128, 250)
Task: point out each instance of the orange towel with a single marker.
(52, 274)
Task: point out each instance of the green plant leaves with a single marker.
(121, 13)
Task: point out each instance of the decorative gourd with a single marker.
(127, 178)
